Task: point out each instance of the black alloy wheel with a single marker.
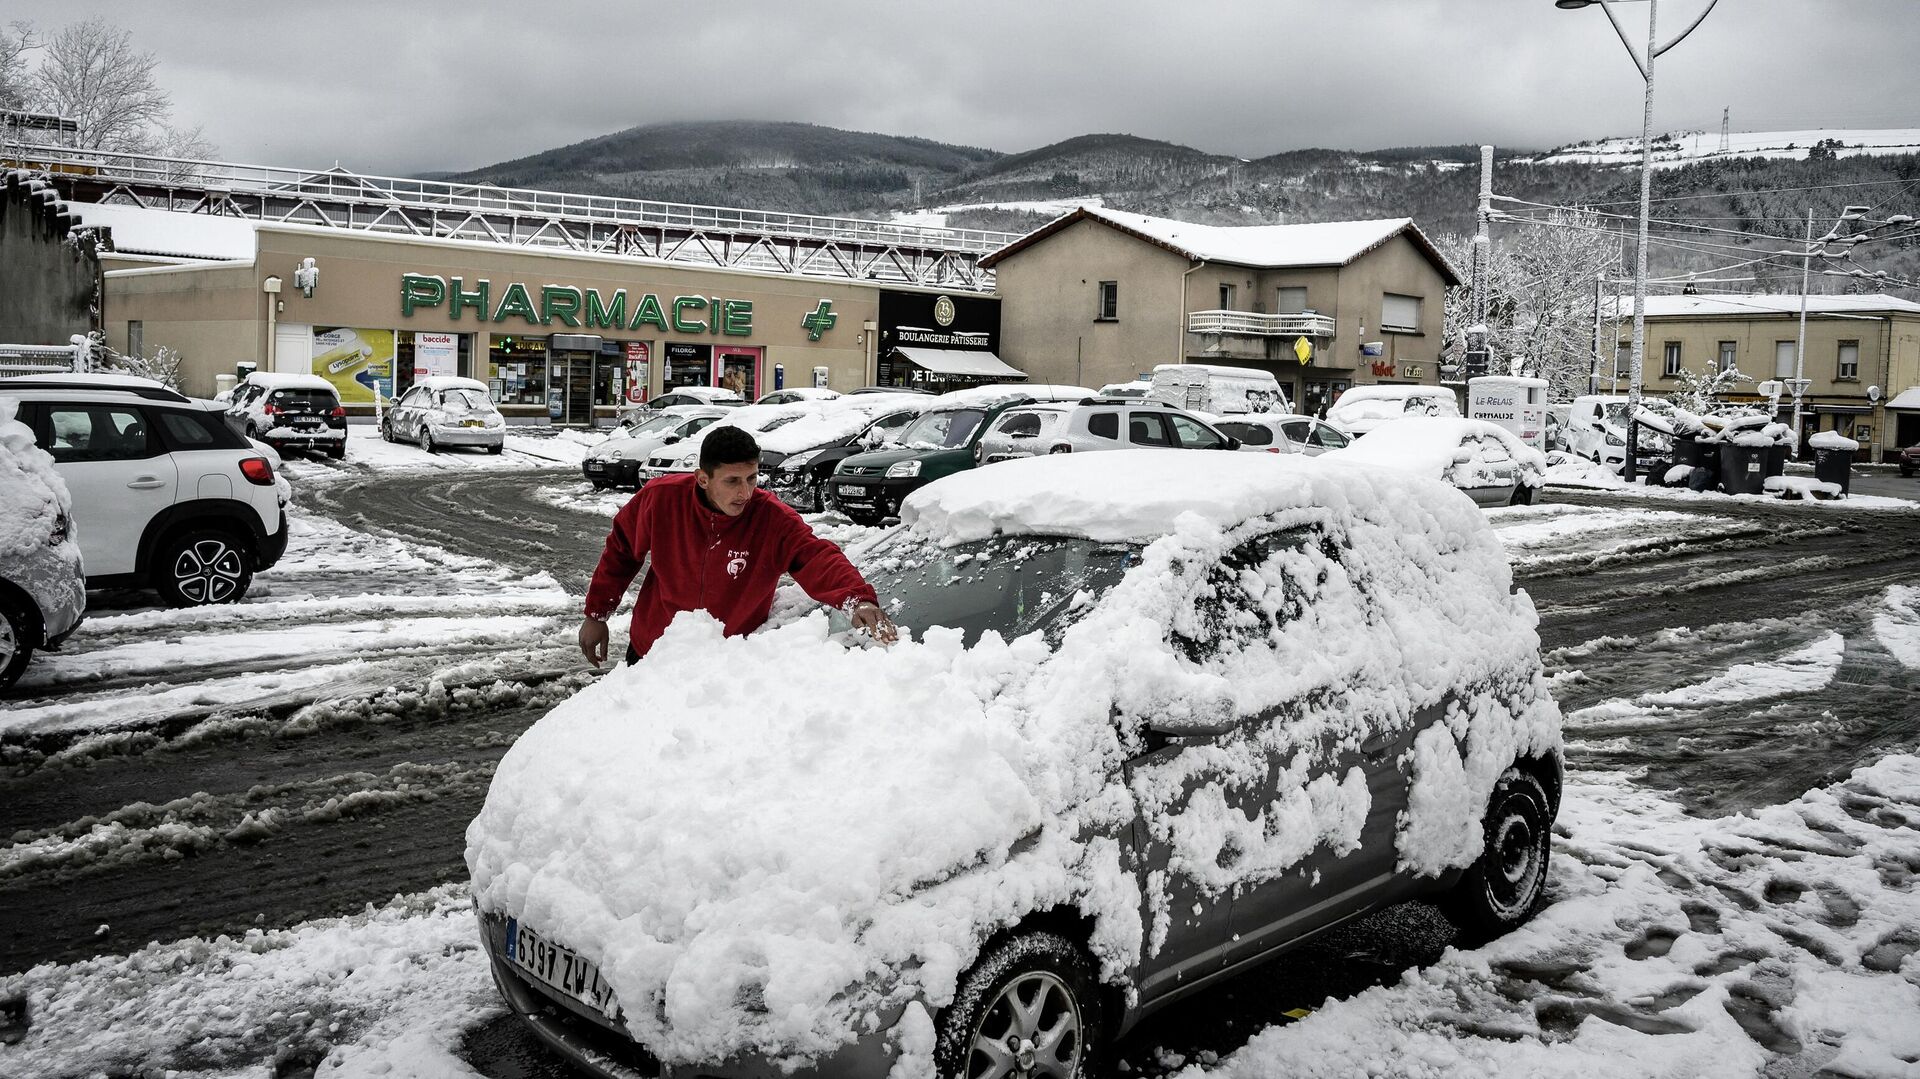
(203, 567)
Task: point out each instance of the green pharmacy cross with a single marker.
(819, 320)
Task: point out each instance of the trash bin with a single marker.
(1703, 458)
(1743, 469)
(1834, 466)
(1777, 460)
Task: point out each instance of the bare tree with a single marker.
(94, 76)
(16, 40)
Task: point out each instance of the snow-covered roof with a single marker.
(806, 393)
(1764, 304)
(994, 396)
(1216, 369)
(143, 231)
(1429, 445)
(451, 382)
(287, 380)
(707, 393)
(1907, 400)
(1326, 243)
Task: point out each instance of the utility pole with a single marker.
(1476, 358)
(1593, 369)
(1725, 143)
(1799, 386)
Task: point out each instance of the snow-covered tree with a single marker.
(1701, 392)
(1540, 298)
(16, 40)
(93, 75)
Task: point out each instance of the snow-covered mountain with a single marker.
(1691, 147)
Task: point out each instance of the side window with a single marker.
(1104, 425)
(1148, 429)
(1329, 437)
(1297, 432)
(1251, 434)
(1193, 435)
(1247, 595)
(185, 431)
(692, 426)
(98, 433)
(1021, 425)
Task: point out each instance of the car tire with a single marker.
(337, 452)
(495, 451)
(386, 430)
(601, 485)
(426, 441)
(1522, 496)
(866, 520)
(1906, 472)
(15, 644)
(1031, 1000)
(202, 566)
(1507, 883)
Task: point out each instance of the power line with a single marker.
(1762, 191)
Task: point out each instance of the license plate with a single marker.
(472, 423)
(856, 492)
(595, 466)
(306, 424)
(560, 967)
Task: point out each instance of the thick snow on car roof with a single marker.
(32, 494)
(286, 380)
(706, 393)
(994, 396)
(1429, 445)
(451, 382)
(1134, 495)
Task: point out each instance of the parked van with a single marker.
(1597, 429)
(1517, 404)
(1363, 408)
(1222, 391)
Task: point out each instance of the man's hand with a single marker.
(869, 619)
(593, 640)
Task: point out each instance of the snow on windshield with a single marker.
(826, 831)
(943, 430)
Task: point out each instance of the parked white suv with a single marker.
(1099, 424)
(165, 494)
(43, 590)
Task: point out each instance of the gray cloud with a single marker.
(392, 88)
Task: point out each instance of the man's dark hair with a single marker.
(727, 445)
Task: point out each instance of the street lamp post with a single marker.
(1645, 65)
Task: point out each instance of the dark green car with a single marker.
(869, 487)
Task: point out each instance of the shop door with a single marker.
(738, 369)
(572, 385)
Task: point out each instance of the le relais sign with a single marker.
(574, 307)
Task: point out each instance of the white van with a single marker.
(1597, 429)
(1203, 387)
(1517, 404)
(1363, 408)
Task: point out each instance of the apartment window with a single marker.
(1226, 297)
(1400, 314)
(1784, 353)
(1670, 359)
(1109, 309)
(1291, 301)
(136, 337)
(1849, 366)
(1729, 351)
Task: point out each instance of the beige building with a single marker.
(1100, 296)
(1862, 363)
(561, 336)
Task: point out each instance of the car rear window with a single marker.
(1250, 434)
(1104, 425)
(311, 400)
(1020, 425)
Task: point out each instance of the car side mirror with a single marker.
(669, 440)
(1232, 443)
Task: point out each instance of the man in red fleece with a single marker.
(719, 544)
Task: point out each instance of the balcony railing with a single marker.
(1255, 324)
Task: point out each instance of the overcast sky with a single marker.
(402, 88)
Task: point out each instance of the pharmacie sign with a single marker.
(565, 305)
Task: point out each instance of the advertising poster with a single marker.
(356, 362)
(435, 354)
(637, 358)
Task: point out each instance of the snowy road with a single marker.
(268, 770)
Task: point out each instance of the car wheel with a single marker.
(426, 441)
(496, 450)
(386, 430)
(337, 452)
(1030, 1006)
(1905, 471)
(601, 485)
(1522, 496)
(868, 520)
(202, 566)
(15, 650)
(1505, 885)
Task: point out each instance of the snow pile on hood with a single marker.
(32, 494)
(1431, 446)
(773, 844)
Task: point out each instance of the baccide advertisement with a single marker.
(356, 362)
(435, 354)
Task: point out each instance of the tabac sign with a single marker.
(565, 305)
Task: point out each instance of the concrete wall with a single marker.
(49, 280)
(208, 313)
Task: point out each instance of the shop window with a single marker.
(1399, 314)
(687, 365)
(1670, 360)
(1849, 365)
(519, 366)
(1109, 306)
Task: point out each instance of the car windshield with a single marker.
(1616, 413)
(942, 430)
(1013, 585)
(652, 426)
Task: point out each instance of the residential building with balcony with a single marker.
(1101, 296)
(1862, 365)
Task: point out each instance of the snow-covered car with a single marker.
(1596, 428)
(758, 420)
(796, 462)
(1272, 433)
(798, 394)
(1159, 725)
(290, 412)
(1104, 423)
(1362, 409)
(617, 460)
(1485, 460)
(1909, 459)
(1217, 390)
(166, 495)
(441, 411)
(43, 587)
(869, 487)
(680, 396)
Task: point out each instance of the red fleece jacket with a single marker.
(704, 560)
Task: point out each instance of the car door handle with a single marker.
(147, 483)
(1376, 747)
